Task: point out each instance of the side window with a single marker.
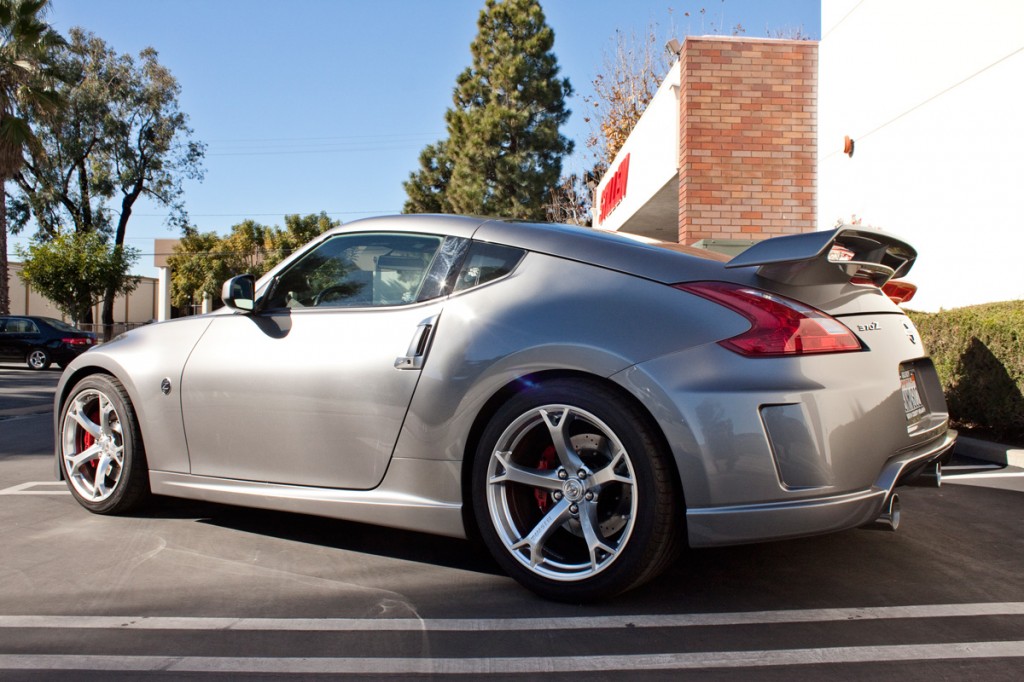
(16, 326)
(357, 270)
(485, 263)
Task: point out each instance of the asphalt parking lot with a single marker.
(190, 590)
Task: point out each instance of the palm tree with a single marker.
(26, 44)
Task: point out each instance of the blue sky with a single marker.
(324, 105)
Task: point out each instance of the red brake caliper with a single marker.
(86, 439)
(547, 461)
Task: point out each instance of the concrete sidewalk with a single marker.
(989, 451)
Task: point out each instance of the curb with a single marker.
(990, 452)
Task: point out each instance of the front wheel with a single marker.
(101, 449)
(573, 492)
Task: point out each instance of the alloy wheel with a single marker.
(561, 492)
(38, 359)
(92, 445)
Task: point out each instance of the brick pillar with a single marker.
(748, 138)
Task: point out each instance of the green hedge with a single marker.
(979, 352)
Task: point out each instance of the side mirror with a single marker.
(239, 293)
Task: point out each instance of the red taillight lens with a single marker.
(77, 341)
(899, 292)
(779, 325)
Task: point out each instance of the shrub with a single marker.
(979, 353)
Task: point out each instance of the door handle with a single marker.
(418, 347)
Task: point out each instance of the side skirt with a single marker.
(383, 506)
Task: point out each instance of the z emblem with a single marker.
(911, 332)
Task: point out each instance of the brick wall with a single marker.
(748, 138)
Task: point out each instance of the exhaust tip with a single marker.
(889, 519)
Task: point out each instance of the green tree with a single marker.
(199, 265)
(247, 246)
(27, 44)
(73, 269)
(428, 186)
(121, 137)
(504, 153)
(202, 262)
(298, 230)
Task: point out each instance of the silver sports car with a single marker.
(584, 403)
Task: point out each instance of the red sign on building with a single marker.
(615, 190)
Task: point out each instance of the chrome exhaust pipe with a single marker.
(889, 519)
(930, 476)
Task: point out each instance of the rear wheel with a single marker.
(37, 358)
(573, 493)
(101, 447)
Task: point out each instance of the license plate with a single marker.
(912, 403)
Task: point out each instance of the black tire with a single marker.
(597, 533)
(38, 359)
(99, 432)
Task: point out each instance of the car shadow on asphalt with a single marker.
(944, 538)
(325, 532)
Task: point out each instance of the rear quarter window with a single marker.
(485, 263)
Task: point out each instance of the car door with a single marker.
(18, 336)
(6, 345)
(313, 389)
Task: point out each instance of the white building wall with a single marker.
(138, 307)
(653, 147)
(932, 94)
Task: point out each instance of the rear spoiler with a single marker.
(841, 254)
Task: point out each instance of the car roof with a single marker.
(652, 259)
(34, 318)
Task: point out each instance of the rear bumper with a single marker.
(711, 526)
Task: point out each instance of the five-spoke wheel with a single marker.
(37, 358)
(101, 450)
(572, 492)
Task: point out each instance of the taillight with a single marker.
(77, 341)
(779, 325)
(899, 292)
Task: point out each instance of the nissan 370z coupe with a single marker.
(584, 402)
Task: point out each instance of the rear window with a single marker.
(61, 325)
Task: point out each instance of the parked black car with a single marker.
(39, 341)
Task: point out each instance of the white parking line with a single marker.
(528, 665)
(513, 624)
(29, 488)
(1002, 473)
